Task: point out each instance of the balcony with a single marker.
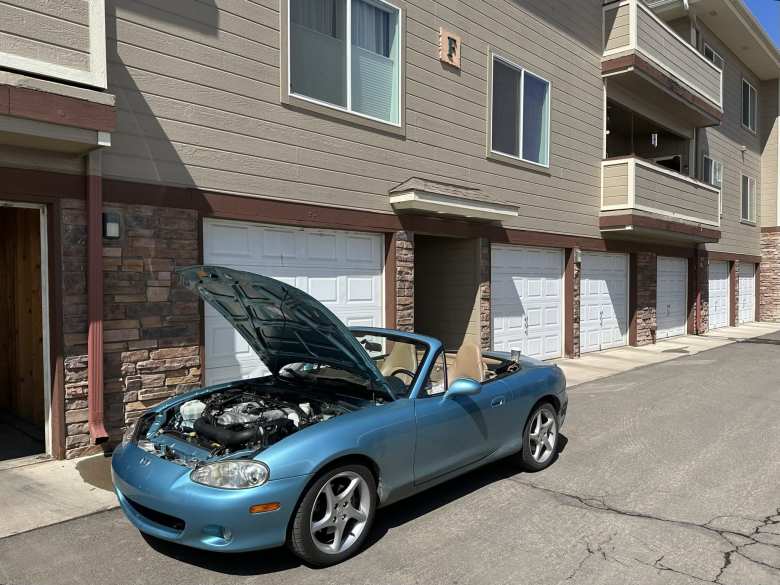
(644, 56)
(640, 199)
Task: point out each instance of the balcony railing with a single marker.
(634, 184)
(63, 40)
(631, 27)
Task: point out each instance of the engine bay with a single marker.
(243, 417)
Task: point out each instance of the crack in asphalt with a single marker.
(729, 536)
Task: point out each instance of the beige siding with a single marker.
(198, 96)
(677, 56)
(659, 190)
(770, 134)
(617, 28)
(615, 185)
(53, 32)
(446, 289)
(725, 143)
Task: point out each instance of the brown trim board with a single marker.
(390, 281)
(568, 302)
(652, 223)
(715, 256)
(43, 106)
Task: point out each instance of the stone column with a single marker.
(645, 281)
(404, 280)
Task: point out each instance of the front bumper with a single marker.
(159, 498)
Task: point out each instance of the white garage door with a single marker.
(671, 315)
(527, 300)
(343, 270)
(603, 301)
(747, 292)
(719, 295)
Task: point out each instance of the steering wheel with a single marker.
(403, 371)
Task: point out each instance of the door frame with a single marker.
(43, 214)
(564, 292)
(627, 259)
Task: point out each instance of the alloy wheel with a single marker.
(340, 512)
(543, 435)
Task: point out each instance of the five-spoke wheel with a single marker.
(540, 438)
(334, 516)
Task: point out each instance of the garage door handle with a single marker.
(497, 401)
(525, 323)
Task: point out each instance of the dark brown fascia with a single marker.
(42, 106)
(610, 222)
(663, 79)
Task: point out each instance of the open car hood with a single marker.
(283, 324)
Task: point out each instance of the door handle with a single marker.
(497, 401)
(525, 323)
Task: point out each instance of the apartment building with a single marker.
(557, 177)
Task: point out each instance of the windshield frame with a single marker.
(401, 338)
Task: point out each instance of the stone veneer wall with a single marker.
(576, 307)
(769, 283)
(151, 325)
(703, 285)
(647, 283)
(404, 281)
(485, 321)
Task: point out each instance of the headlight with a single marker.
(231, 475)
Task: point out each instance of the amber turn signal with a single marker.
(260, 508)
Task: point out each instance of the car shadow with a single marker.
(280, 559)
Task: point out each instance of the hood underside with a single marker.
(281, 323)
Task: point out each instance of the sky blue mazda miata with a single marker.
(347, 421)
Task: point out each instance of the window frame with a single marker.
(705, 48)
(754, 128)
(503, 156)
(752, 203)
(712, 162)
(291, 98)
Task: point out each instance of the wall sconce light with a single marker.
(654, 139)
(111, 226)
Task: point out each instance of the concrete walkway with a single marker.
(42, 494)
(594, 366)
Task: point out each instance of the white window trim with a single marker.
(742, 109)
(714, 52)
(522, 71)
(348, 110)
(712, 162)
(752, 203)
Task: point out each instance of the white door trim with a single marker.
(45, 334)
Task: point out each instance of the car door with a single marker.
(454, 432)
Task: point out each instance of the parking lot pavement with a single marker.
(670, 474)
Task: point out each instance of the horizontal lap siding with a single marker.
(616, 185)
(617, 28)
(662, 191)
(53, 32)
(199, 106)
(657, 42)
(724, 143)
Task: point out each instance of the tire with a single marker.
(354, 515)
(536, 456)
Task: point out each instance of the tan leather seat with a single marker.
(468, 363)
(402, 356)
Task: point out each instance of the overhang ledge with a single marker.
(429, 197)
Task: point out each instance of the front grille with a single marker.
(157, 517)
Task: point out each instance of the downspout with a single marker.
(97, 430)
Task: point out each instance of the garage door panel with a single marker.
(343, 270)
(747, 292)
(719, 294)
(671, 297)
(526, 300)
(603, 301)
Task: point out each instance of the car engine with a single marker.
(239, 419)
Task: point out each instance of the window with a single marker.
(520, 125)
(749, 106)
(436, 385)
(748, 199)
(713, 57)
(712, 172)
(346, 54)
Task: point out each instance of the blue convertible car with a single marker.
(346, 421)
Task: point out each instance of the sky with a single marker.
(768, 13)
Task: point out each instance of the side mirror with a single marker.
(463, 387)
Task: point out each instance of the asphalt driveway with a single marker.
(671, 474)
